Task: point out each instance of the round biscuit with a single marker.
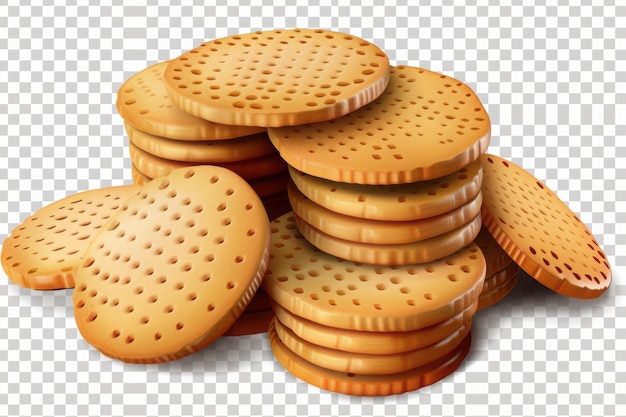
(540, 233)
(143, 102)
(138, 177)
(497, 293)
(44, 251)
(202, 152)
(392, 254)
(411, 201)
(366, 363)
(174, 268)
(277, 77)
(500, 277)
(334, 292)
(380, 343)
(424, 126)
(384, 232)
(497, 259)
(154, 166)
(369, 385)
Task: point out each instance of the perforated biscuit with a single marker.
(412, 201)
(138, 177)
(44, 251)
(173, 269)
(540, 233)
(392, 254)
(331, 291)
(380, 231)
(144, 103)
(154, 167)
(380, 343)
(497, 259)
(364, 363)
(246, 147)
(278, 77)
(496, 294)
(371, 385)
(424, 126)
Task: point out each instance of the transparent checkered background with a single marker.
(553, 81)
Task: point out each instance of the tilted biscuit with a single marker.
(144, 103)
(174, 268)
(424, 126)
(397, 202)
(380, 343)
(370, 385)
(392, 254)
(384, 232)
(202, 152)
(277, 77)
(540, 233)
(154, 167)
(331, 291)
(44, 251)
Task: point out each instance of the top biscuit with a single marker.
(143, 103)
(424, 126)
(278, 77)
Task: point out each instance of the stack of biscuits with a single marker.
(294, 181)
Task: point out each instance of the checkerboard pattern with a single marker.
(552, 79)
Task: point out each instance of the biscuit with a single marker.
(331, 291)
(500, 277)
(411, 201)
(251, 323)
(143, 102)
(375, 343)
(365, 363)
(277, 77)
(154, 167)
(540, 233)
(424, 126)
(355, 229)
(495, 294)
(138, 177)
(44, 251)
(497, 259)
(174, 268)
(202, 152)
(369, 385)
(392, 254)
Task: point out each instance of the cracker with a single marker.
(424, 126)
(540, 233)
(364, 363)
(370, 385)
(331, 291)
(44, 251)
(384, 232)
(138, 177)
(495, 294)
(392, 254)
(202, 152)
(497, 259)
(154, 167)
(277, 77)
(251, 323)
(143, 102)
(411, 201)
(174, 268)
(498, 278)
(380, 343)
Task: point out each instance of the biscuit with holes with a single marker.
(370, 385)
(424, 126)
(500, 277)
(374, 343)
(143, 102)
(44, 251)
(421, 251)
(540, 233)
(411, 201)
(334, 292)
(384, 232)
(277, 77)
(202, 152)
(174, 268)
(154, 167)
